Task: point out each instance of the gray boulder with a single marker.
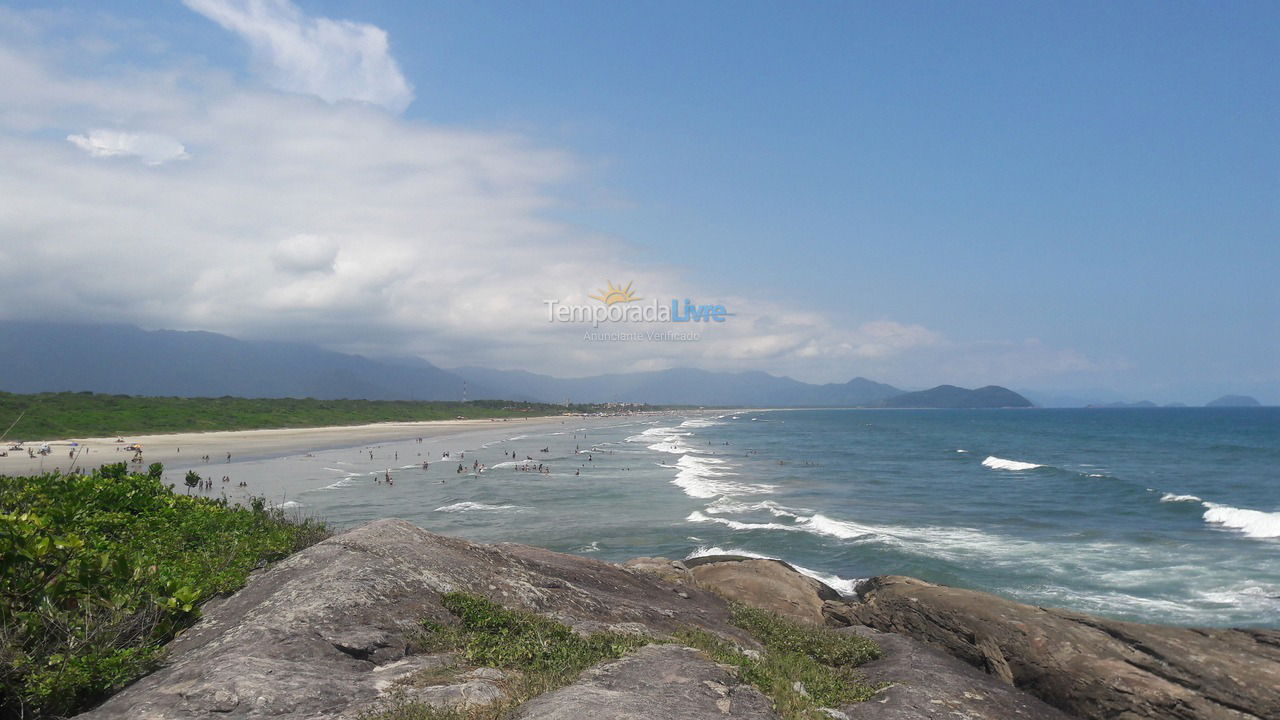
(326, 632)
(927, 684)
(1088, 666)
(656, 681)
(769, 584)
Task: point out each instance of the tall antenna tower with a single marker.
(464, 391)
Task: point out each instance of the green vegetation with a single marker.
(540, 654)
(101, 569)
(50, 416)
(821, 645)
(802, 668)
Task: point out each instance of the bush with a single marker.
(101, 569)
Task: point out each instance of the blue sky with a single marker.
(1077, 197)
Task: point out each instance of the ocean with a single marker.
(1154, 515)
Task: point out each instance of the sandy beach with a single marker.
(176, 448)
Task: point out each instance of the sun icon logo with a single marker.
(615, 295)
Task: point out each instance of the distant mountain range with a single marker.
(682, 386)
(1234, 401)
(950, 396)
(1224, 401)
(123, 359)
(126, 360)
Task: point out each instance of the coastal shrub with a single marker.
(100, 569)
(67, 415)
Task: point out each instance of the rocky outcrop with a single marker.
(1088, 666)
(326, 632)
(924, 683)
(657, 681)
(672, 571)
(764, 583)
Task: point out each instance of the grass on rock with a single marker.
(802, 669)
(538, 654)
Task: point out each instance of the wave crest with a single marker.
(1253, 523)
(470, 506)
(996, 463)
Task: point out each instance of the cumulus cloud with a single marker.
(151, 149)
(344, 225)
(332, 59)
(304, 254)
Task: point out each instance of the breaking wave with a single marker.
(996, 463)
(1253, 523)
(475, 506)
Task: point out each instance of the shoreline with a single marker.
(176, 448)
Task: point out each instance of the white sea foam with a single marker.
(1170, 497)
(650, 434)
(953, 544)
(724, 505)
(1253, 523)
(347, 481)
(843, 529)
(698, 516)
(839, 584)
(707, 477)
(470, 506)
(996, 463)
(817, 523)
(291, 504)
(675, 447)
(1247, 596)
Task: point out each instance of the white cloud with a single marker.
(347, 226)
(151, 149)
(304, 254)
(332, 59)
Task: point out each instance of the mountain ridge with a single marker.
(125, 359)
(952, 397)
